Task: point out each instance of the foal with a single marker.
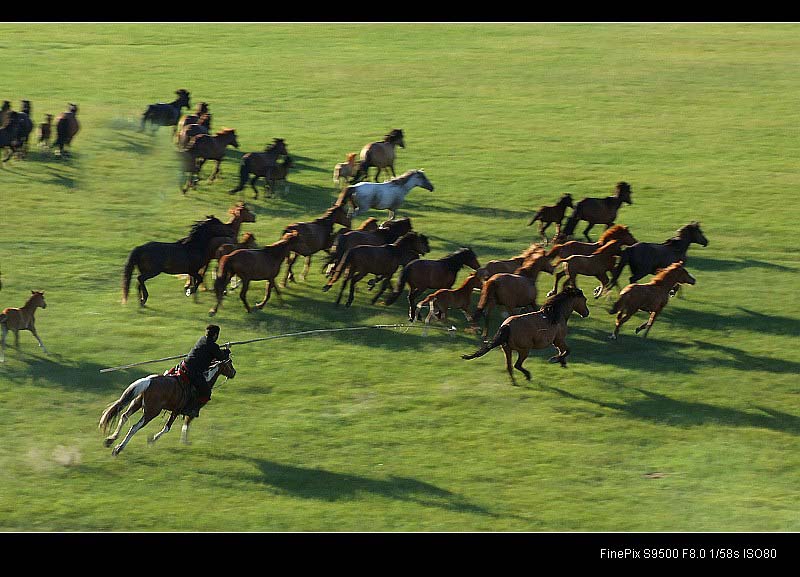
(443, 299)
(598, 264)
(548, 215)
(21, 319)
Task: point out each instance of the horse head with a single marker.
(395, 137)
(422, 180)
(695, 233)
(623, 191)
(183, 97)
(566, 201)
(278, 146)
(579, 304)
(421, 245)
(243, 213)
(37, 298)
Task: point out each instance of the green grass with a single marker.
(391, 430)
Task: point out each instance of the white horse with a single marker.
(388, 195)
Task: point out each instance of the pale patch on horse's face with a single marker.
(582, 308)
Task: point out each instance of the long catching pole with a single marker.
(283, 336)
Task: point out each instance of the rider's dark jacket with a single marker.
(203, 353)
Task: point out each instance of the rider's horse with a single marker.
(388, 195)
(156, 393)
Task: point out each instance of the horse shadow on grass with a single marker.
(665, 410)
(322, 485)
(745, 319)
(69, 374)
(705, 263)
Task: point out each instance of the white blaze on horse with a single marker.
(388, 195)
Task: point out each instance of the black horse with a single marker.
(186, 256)
(165, 114)
(598, 210)
(646, 258)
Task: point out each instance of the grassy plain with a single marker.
(693, 429)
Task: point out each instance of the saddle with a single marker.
(179, 372)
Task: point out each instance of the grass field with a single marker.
(694, 429)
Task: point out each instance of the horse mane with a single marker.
(236, 208)
(553, 307)
(225, 131)
(202, 229)
(530, 251)
(367, 223)
(455, 260)
(468, 280)
(609, 233)
(248, 237)
(351, 157)
(664, 272)
(607, 247)
(395, 133)
(403, 178)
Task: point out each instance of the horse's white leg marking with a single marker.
(185, 433)
(134, 429)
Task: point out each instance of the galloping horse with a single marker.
(507, 265)
(646, 258)
(442, 300)
(165, 114)
(344, 170)
(423, 274)
(388, 195)
(598, 210)
(379, 154)
(651, 297)
(194, 118)
(386, 233)
(512, 290)
(205, 147)
(598, 264)
(261, 165)
(156, 393)
(21, 319)
(617, 232)
(382, 260)
(547, 215)
(23, 125)
(253, 264)
(8, 139)
(67, 126)
(186, 256)
(313, 237)
(188, 131)
(537, 330)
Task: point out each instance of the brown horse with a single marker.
(190, 130)
(386, 233)
(45, 131)
(379, 154)
(67, 126)
(193, 118)
(512, 290)
(21, 319)
(345, 170)
(507, 265)
(260, 165)
(253, 264)
(205, 147)
(537, 330)
(598, 264)
(651, 297)
(598, 210)
(424, 274)
(383, 260)
(617, 232)
(443, 299)
(547, 215)
(155, 393)
(313, 237)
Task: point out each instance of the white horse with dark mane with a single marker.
(387, 195)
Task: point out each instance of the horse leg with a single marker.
(543, 227)
(41, 344)
(134, 406)
(4, 330)
(344, 284)
(646, 326)
(166, 429)
(146, 418)
(622, 318)
(353, 280)
(307, 267)
(253, 185)
(185, 430)
(412, 294)
(214, 172)
(586, 231)
(521, 356)
(142, 289)
(384, 285)
(290, 258)
(598, 291)
(243, 294)
(559, 275)
(509, 367)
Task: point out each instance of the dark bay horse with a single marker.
(21, 319)
(567, 249)
(260, 165)
(598, 210)
(425, 274)
(186, 256)
(313, 237)
(379, 154)
(253, 264)
(188, 131)
(67, 126)
(651, 297)
(537, 330)
(193, 118)
(155, 393)
(386, 233)
(23, 125)
(547, 215)
(165, 113)
(205, 147)
(382, 261)
(8, 139)
(646, 258)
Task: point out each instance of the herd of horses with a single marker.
(383, 250)
(16, 128)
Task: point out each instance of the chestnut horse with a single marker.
(165, 113)
(547, 215)
(155, 393)
(21, 319)
(512, 290)
(507, 265)
(345, 170)
(651, 297)
(313, 237)
(598, 264)
(598, 210)
(67, 126)
(424, 274)
(537, 330)
(253, 264)
(260, 165)
(379, 154)
(617, 232)
(382, 260)
(443, 299)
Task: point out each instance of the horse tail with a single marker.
(134, 390)
(500, 338)
(146, 116)
(488, 292)
(623, 260)
(133, 260)
(536, 217)
(244, 172)
(400, 285)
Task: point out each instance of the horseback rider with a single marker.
(203, 354)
